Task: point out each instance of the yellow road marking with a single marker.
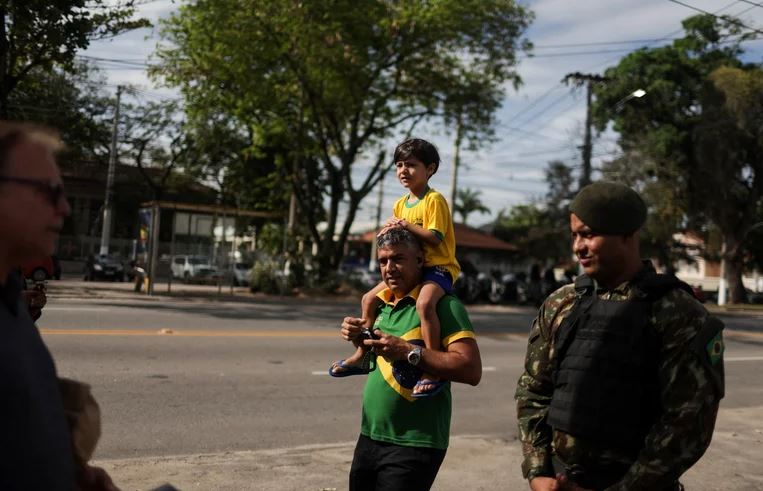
(191, 333)
(733, 334)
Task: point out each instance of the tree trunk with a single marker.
(734, 268)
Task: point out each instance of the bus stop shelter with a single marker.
(216, 222)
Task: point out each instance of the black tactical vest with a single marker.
(606, 387)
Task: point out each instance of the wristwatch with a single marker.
(414, 356)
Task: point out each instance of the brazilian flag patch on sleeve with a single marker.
(715, 349)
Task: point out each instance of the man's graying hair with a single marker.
(397, 236)
(12, 133)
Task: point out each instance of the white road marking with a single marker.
(77, 309)
(743, 358)
(484, 369)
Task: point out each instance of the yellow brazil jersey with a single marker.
(432, 213)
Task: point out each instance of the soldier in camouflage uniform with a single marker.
(624, 369)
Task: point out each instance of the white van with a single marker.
(194, 268)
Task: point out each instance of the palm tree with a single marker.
(467, 202)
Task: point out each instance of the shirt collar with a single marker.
(388, 297)
(426, 191)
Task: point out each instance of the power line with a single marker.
(535, 134)
(752, 3)
(543, 152)
(581, 53)
(668, 36)
(601, 43)
(618, 50)
(575, 102)
(112, 60)
(554, 87)
(727, 18)
(532, 104)
(546, 108)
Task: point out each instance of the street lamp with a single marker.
(638, 93)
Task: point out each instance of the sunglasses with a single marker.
(52, 192)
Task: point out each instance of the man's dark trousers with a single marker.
(381, 466)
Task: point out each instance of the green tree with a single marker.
(154, 138)
(246, 164)
(698, 129)
(666, 216)
(467, 202)
(530, 228)
(40, 34)
(75, 103)
(561, 190)
(337, 79)
(541, 230)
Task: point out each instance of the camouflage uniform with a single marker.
(690, 392)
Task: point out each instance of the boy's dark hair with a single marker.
(420, 149)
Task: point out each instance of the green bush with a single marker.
(265, 278)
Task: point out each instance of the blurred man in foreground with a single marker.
(38, 450)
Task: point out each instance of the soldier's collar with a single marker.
(625, 287)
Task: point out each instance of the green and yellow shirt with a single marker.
(390, 412)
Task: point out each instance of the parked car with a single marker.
(40, 269)
(242, 273)
(194, 268)
(104, 267)
(363, 277)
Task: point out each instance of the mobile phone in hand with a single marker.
(370, 334)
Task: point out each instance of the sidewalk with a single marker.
(473, 462)
(84, 290)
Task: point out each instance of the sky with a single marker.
(539, 122)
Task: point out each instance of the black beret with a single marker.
(609, 208)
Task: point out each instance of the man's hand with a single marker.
(352, 327)
(544, 484)
(35, 300)
(95, 479)
(390, 347)
(566, 485)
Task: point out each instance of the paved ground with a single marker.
(236, 397)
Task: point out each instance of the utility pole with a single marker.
(588, 79)
(108, 205)
(292, 213)
(456, 162)
(372, 265)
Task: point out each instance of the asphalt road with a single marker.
(179, 376)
